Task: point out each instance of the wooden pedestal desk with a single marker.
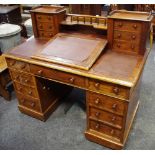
(112, 86)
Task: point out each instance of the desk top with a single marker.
(118, 68)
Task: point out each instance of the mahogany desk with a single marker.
(112, 89)
(111, 75)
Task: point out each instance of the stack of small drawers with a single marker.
(127, 36)
(107, 107)
(25, 85)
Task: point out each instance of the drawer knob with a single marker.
(119, 35)
(23, 66)
(40, 26)
(44, 87)
(40, 72)
(118, 45)
(135, 26)
(19, 89)
(22, 100)
(133, 37)
(97, 101)
(50, 27)
(112, 132)
(42, 34)
(97, 126)
(97, 114)
(30, 92)
(26, 81)
(97, 85)
(32, 104)
(132, 46)
(120, 24)
(116, 90)
(49, 18)
(113, 118)
(114, 106)
(39, 17)
(50, 34)
(71, 80)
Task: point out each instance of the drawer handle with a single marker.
(133, 37)
(135, 26)
(97, 85)
(50, 35)
(132, 46)
(97, 101)
(114, 106)
(71, 80)
(116, 90)
(30, 92)
(113, 118)
(119, 35)
(44, 87)
(50, 27)
(26, 81)
(32, 104)
(112, 132)
(49, 18)
(40, 72)
(97, 126)
(120, 24)
(23, 66)
(22, 100)
(97, 114)
(39, 17)
(118, 45)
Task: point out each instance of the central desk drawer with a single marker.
(63, 77)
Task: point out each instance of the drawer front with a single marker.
(128, 36)
(106, 117)
(28, 102)
(107, 103)
(102, 128)
(45, 34)
(44, 18)
(23, 78)
(45, 26)
(108, 89)
(126, 46)
(26, 90)
(68, 78)
(18, 65)
(127, 25)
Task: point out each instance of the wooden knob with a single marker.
(50, 35)
(120, 24)
(50, 27)
(71, 80)
(118, 45)
(40, 72)
(39, 17)
(97, 126)
(97, 101)
(42, 34)
(49, 18)
(113, 118)
(32, 104)
(30, 92)
(119, 35)
(135, 26)
(112, 132)
(116, 90)
(97, 85)
(97, 114)
(26, 80)
(114, 106)
(133, 37)
(44, 87)
(22, 100)
(19, 89)
(40, 26)
(132, 46)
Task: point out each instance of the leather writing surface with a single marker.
(72, 50)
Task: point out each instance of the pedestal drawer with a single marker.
(107, 117)
(44, 18)
(29, 102)
(109, 89)
(102, 128)
(45, 26)
(107, 103)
